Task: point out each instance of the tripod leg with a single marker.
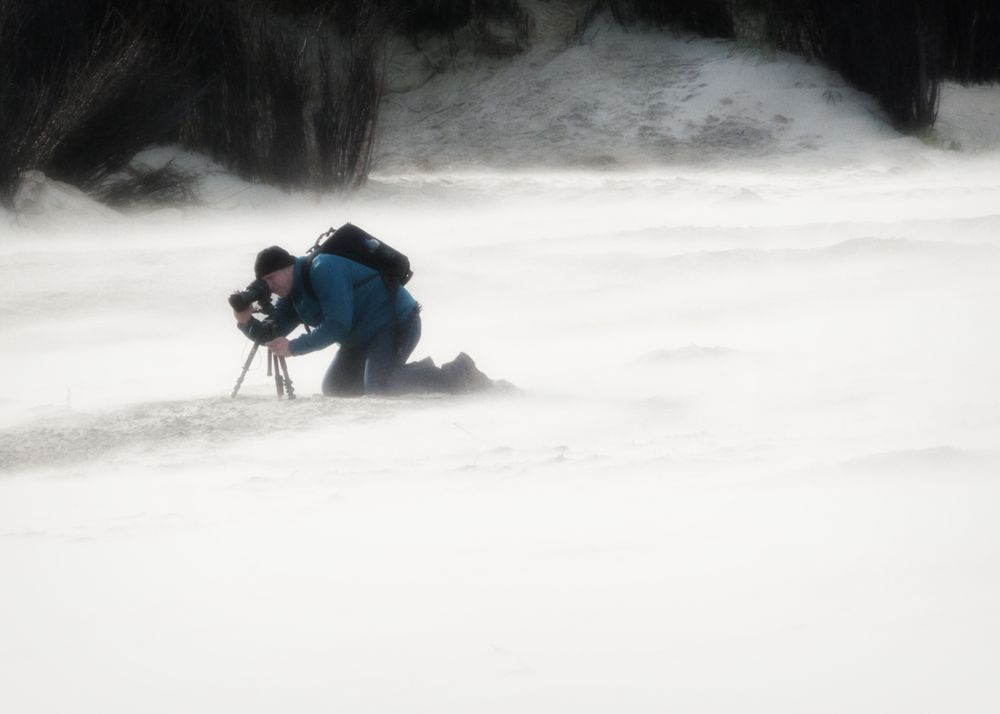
(272, 360)
(288, 380)
(246, 366)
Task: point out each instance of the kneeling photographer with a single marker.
(375, 321)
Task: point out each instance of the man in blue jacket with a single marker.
(350, 306)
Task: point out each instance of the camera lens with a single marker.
(256, 292)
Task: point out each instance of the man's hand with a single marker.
(243, 317)
(280, 347)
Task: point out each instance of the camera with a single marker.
(267, 330)
(256, 292)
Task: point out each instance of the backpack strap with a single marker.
(306, 281)
(392, 288)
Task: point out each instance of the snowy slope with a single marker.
(624, 99)
(614, 99)
(750, 466)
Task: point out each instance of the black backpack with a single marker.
(352, 243)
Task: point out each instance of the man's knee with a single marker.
(346, 375)
(378, 380)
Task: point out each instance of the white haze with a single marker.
(750, 463)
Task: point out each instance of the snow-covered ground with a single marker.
(751, 463)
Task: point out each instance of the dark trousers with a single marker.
(380, 366)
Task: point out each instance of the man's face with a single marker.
(280, 281)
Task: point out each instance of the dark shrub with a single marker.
(972, 40)
(84, 86)
(888, 48)
(711, 18)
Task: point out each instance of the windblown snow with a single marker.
(750, 462)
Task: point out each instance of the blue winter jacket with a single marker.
(351, 305)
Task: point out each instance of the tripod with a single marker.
(276, 366)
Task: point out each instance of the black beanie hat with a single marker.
(271, 259)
